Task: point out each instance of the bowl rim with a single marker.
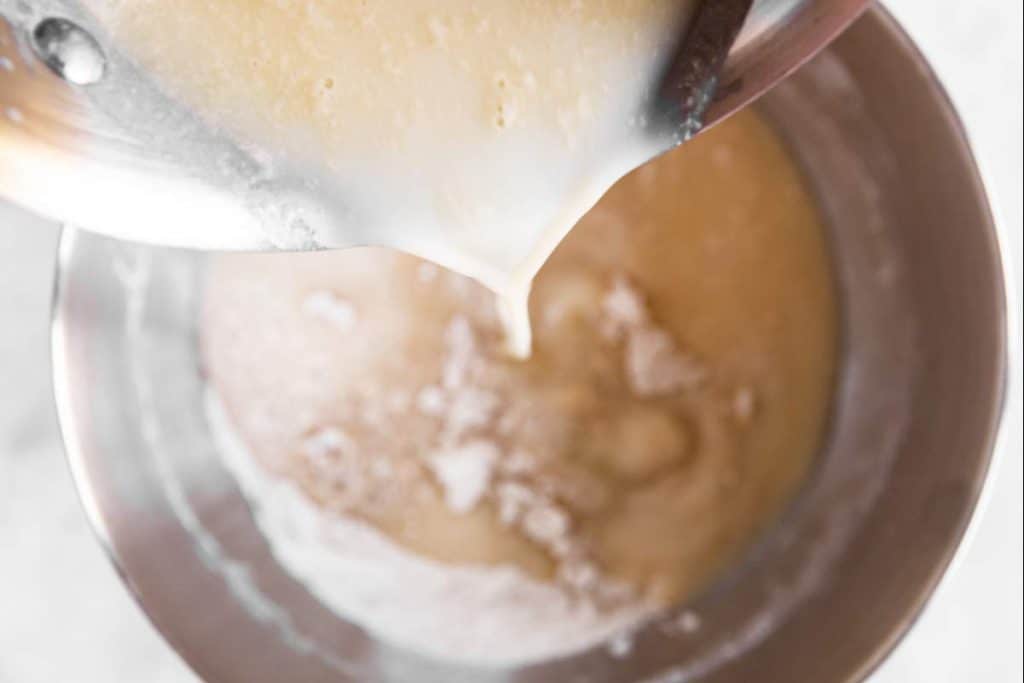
(997, 436)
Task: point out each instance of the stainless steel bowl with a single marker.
(822, 598)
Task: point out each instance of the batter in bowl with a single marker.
(479, 508)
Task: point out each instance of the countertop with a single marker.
(64, 615)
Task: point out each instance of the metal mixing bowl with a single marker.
(823, 597)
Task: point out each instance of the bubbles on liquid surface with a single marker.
(70, 51)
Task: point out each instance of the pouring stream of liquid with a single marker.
(475, 139)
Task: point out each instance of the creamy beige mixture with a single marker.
(472, 134)
(685, 341)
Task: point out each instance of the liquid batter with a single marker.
(472, 134)
(685, 341)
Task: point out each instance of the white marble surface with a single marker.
(64, 615)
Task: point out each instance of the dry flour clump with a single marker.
(465, 473)
(654, 365)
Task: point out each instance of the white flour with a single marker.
(465, 473)
(492, 616)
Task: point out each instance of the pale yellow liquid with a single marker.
(471, 134)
